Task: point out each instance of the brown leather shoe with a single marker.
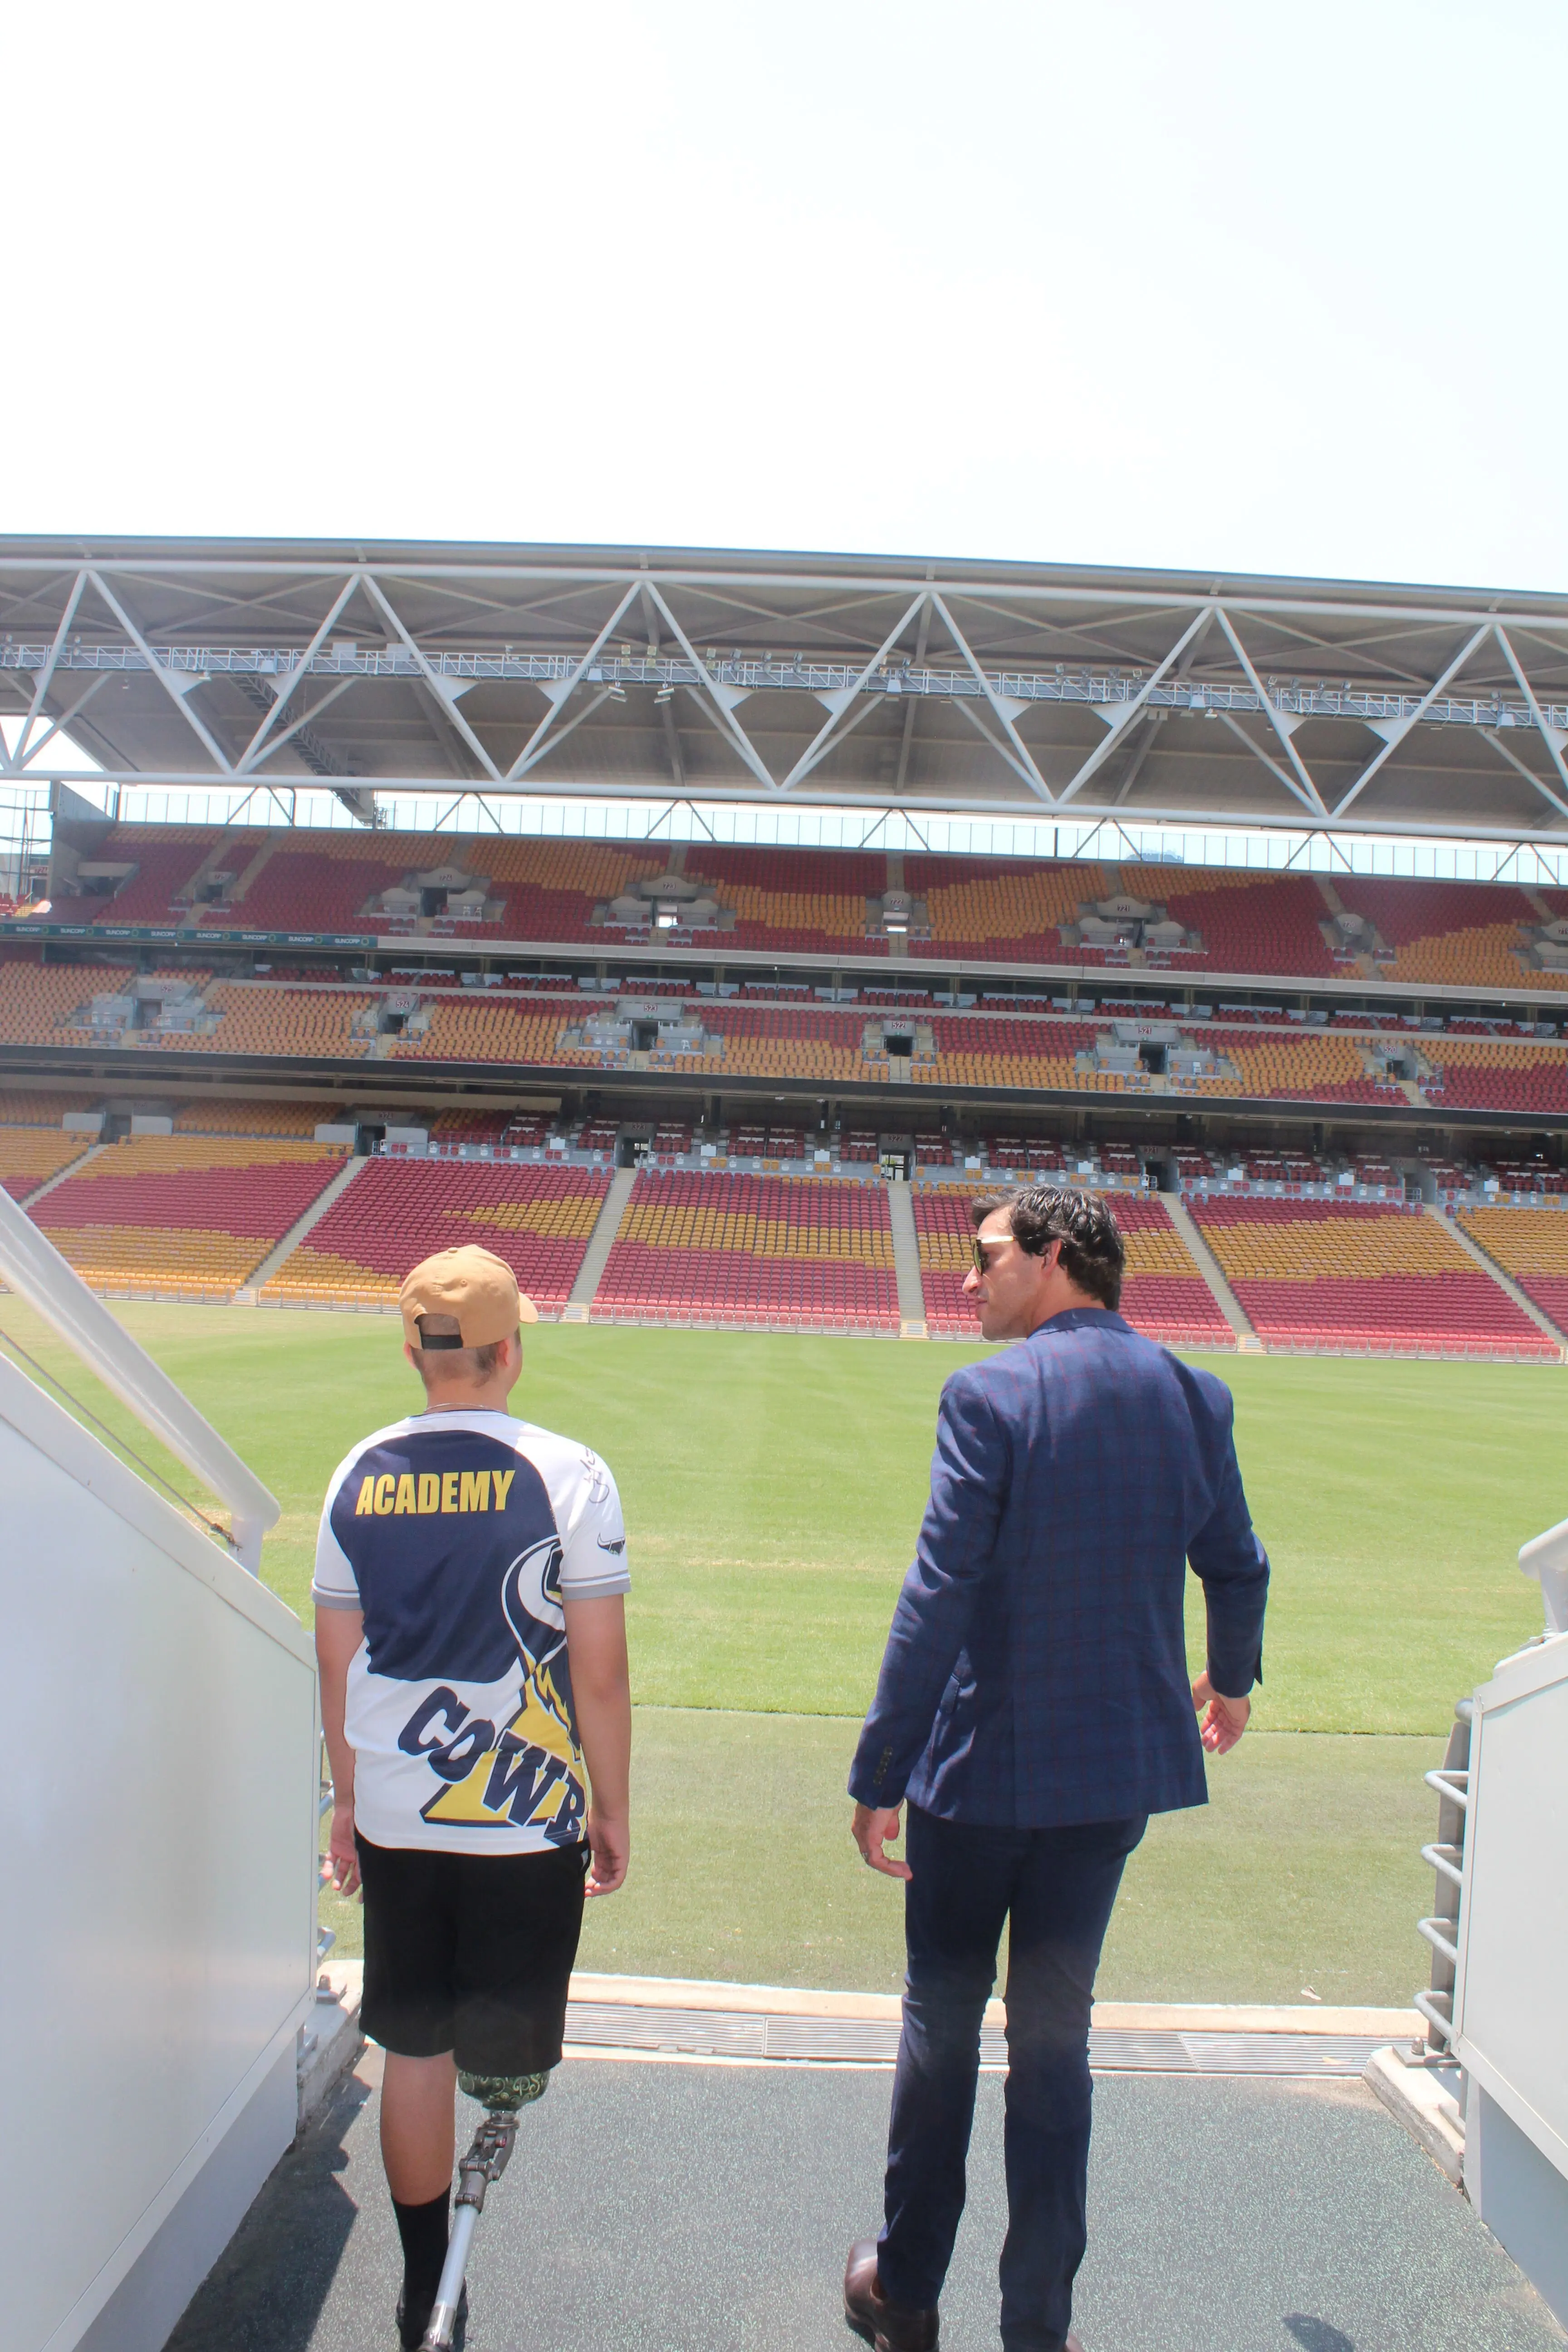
(886, 2326)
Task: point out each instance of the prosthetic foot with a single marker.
(501, 2095)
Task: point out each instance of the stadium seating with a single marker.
(1360, 1276)
(38, 1000)
(165, 858)
(1248, 922)
(799, 1251)
(1001, 910)
(800, 901)
(33, 1107)
(184, 1213)
(1284, 1067)
(990, 1050)
(490, 1029)
(1486, 1073)
(395, 1212)
(259, 1018)
(29, 1156)
(230, 1117)
(814, 902)
(1464, 933)
(1165, 1295)
(1532, 1247)
(552, 888)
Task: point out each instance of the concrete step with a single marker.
(1209, 1265)
(1489, 1264)
(596, 1256)
(907, 1264)
(246, 1297)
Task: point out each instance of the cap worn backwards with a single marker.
(469, 1288)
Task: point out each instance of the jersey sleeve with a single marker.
(335, 1584)
(593, 1535)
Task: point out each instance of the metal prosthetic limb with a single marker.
(501, 2095)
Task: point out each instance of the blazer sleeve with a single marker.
(931, 1623)
(1232, 1566)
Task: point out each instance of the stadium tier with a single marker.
(395, 1212)
(1532, 1247)
(187, 1213)
(1361, 1275)
(801, 1252)
(827, 904)
(1163, 1294)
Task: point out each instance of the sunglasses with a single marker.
(981, 1263)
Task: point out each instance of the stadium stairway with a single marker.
(72, 1168)
(297, 1233)
(1209, 1265)
(601, 1242)
(907, 1264)
(1504, 1280)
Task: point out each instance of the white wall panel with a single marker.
(157, 1840)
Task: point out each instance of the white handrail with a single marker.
(33, 1267)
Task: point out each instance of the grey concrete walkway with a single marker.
(683, 2208)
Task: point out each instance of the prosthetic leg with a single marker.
(501, 2096)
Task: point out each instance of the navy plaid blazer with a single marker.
(1036, 1673)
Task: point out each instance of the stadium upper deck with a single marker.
(426, 896)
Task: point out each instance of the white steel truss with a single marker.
(1355, 708)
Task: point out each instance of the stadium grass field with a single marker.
(772, 1485)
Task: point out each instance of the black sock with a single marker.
(423, 2230)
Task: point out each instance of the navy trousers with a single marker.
(1057, 1888)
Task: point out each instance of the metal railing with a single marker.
(778, 674)
(1447, 1857)
(1545, 1557)
(35, 1270)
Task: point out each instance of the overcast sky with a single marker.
(1223, 284)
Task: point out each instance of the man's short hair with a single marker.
(441, 1356)
(1093, 1257)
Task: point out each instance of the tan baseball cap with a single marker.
(470, 1287)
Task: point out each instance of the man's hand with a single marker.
(610, 1843)
(340, 1869)
(872, 1828)
(1226, 1719)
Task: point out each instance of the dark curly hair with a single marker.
(1093, 1256)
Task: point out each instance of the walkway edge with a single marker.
(1113, 2016)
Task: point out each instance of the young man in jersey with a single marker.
(470, 1627)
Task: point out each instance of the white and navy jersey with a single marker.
(458, 1535)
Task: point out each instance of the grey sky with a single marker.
(1255, 287)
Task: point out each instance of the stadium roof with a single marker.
(869, 682)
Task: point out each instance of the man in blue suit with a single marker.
(1034, 1709)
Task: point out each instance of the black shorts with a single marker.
(471, 1953)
